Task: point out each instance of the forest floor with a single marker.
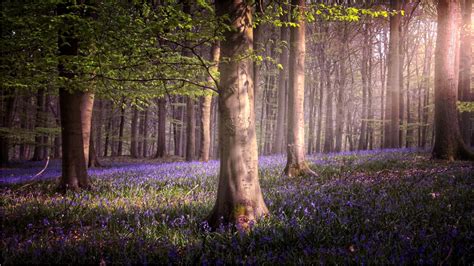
(376, 207)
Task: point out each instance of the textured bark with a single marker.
(296, 164)
(448, 142)
(74, 173)
(161, 141)
(278, 144)
(134, 134)
(74, 167)
(206, 109)
(464, 86)
(392, 106)
(239, 198)
(87, 105)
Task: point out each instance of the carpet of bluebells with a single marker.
(375, 207)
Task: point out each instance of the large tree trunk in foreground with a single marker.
(448, 140)
(87, 105)
(239, 198)
(74, 171)
(465, 94)
(392, 107)
(296, 164)
(206, 109)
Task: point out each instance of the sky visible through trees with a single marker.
(234, 131)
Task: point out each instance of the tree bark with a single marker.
(74, 171)
(365, 87)
(161, 141)
(239, 197)
(328, 132)
(448, 142)
(39, 122)
(7, 120)
(465, 94)
(121, 127)
(134, 134)
(145, 133)
(278, 144)
(206, 109)
(392, 126)
(341, 82)
(87, 105)
(296, 163)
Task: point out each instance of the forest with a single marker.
(240, 132)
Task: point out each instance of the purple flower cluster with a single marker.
(371, 207)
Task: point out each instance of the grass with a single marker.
(380, 207)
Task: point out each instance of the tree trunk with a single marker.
(365, 86)
(296, 163)
(190, 129)
(98, 124)
(121, 127)
(206, 109)
(426, 92)
(93, 160)
(134, 134)
(145, 133)
(341, 91)
(328, 132)
(161, 141)
(7, 120)
(448, 142)
(464, 86)
(39, 122)
(74, 168)
(278, 144)
(239, 197)
(392, 126)
(321, 101)
(87, 105)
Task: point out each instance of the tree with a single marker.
(296, 164)
(74, 171)
(392, 106)
(465, 93)
(161, 140)
(239, 197)
(206, 109)
(278, 144)
(448, 143)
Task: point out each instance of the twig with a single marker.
(38, 174)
